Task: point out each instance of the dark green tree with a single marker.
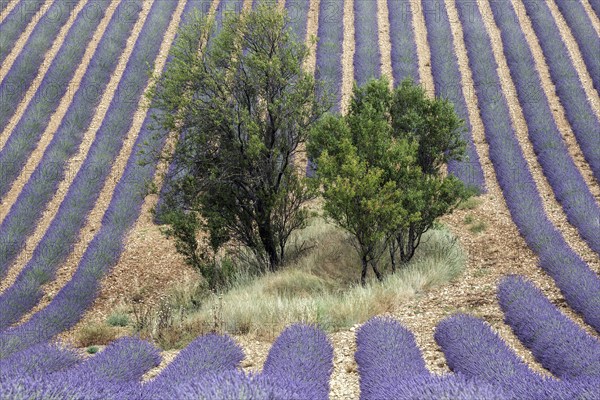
(241, 107)
(380, 168)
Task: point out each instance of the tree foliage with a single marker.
(241, 105)
(380, 167)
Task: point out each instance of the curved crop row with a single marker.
(567, 183)
(27, 132)
(386, 354)
(595, 6)
(586, 37)
(104, 250)
(124, 360)
(15, 23)
(206, 354)
(55, 246)
(556, 342)
(367, 55)
(329, 48)
(578, 110)
(578, 283)
(42, 359)
(448, 84)
(298, 13)
(402, 38)
(24, 70)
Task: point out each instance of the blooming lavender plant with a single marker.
(32, 124)
(402, 39)
(297, 11)
(386, 355)
(301, 360)
(448, 84)
(577, 107)
(555, 341)
(586, 37)
(595, 6)
(567, 183)
(25, 68)
(15, 23)
(367, 57)
(45, 358)
(578, 283)
(209, 354)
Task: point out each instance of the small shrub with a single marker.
(118, 319)
(478, 227)
(95, 334)
(469, 219)
(92, 349)
(469, 204)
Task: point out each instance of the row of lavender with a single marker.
(55, 245)
(103, 252)
(579, 284)
(14, 24)
(448, 84)
(565, 179)
(300, 362)
(568, 86)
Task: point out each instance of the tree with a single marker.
(240, 105)
(380, 168)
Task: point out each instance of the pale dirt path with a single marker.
(593, 17)
(22, 40)
(556, 107)
(423, 51)
(552, 209)
(347, 56)
(56, 119)
(74, 165)
(8, 10)
(385, 44)
(575, 53)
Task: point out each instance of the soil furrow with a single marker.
(385, 44)
(423, 51)
(593, 17)
(347, 55)
(7, 10)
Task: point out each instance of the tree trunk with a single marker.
(266, 237)
(363, 274)
(393, 255)
(377, 273)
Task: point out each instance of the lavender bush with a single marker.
(578, 283)
(402, 37)
(555, 341)
(15, 23)
(367, 56)
(42, 359)
(25, 68)
(386, 355)
(595, 6)
(83, 193)
(448, 84)
(301, 361)
(578, 110)
(24, 138)
(567, 183)
(586, 37)
(44, 181)
(205, 355)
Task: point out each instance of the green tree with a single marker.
(241, 105)
(380, 168)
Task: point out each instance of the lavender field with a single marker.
(78, 240)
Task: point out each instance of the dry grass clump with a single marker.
(319, 285)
